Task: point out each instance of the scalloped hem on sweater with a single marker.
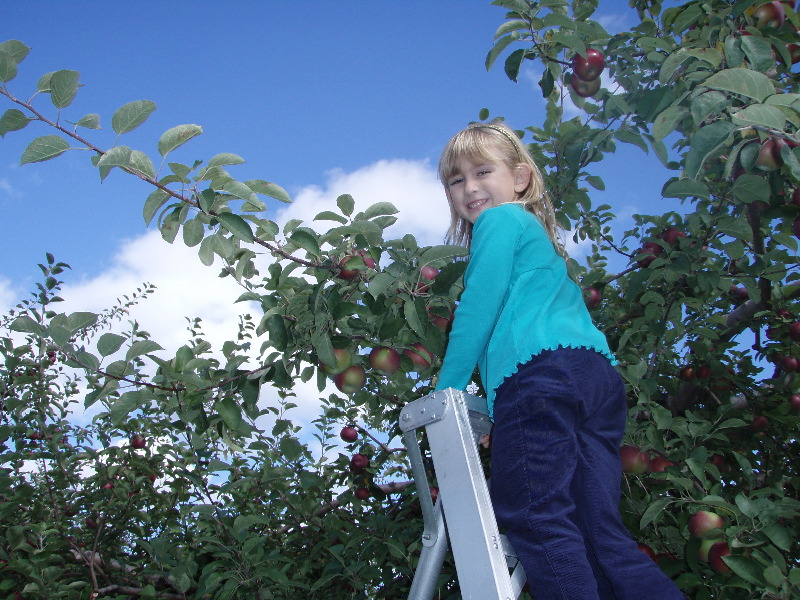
(490, 395)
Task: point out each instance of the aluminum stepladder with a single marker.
(454, 422)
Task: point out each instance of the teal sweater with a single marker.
(518, 301)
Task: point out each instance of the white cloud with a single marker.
(411, 186)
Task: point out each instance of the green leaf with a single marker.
(230, 412)
(237, 226)
(290, 448)
(746, 568)
(705, 143)
(758, 52)
(240, 190)
(498, 48)
(226, 158)
(193, 232)
(436, 253)
(176, 137)
(327, 215)
(129, 116)
(760, 114)
(90, 121)
(16, 49)
(109, 343)
(596, 182)
(273, 190)
(12, 120)
(44, 148)
(745, 82)
(140, 162)
(346, 204)
(140, 348)
(666, 122)
(380, 208)
(154, 201)
(8, 66)
(63, 87)
(514, 63)
(119, 156)
(751, 188)
(417, 322)
(26, 325)
(323, 347)
(654, 512)
(306, 241)
(778, 536)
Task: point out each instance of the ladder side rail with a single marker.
(431, 559)
(474, 536)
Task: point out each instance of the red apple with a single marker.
(794, 53)
(705, 547)
(715, 554)
(770, 14)
(651, 250)
(429, 272)
(672, 235)
(351, 379)
(718, 461)
(420, 356)
(789, 364)
(108, 486)
(794, 331)
(349, 434)
(659, 464)
(343, 360)
(647, 550)
(739, 293)
(588, 67)
(702, 522)
(794, 402)
(358, 463)
(634, 461)
(362, 493)
(703, 372)
(384, 361)
(769, 155)
(686, 374)
(759, 423)
(582, 88)
(91, 523)
(138, 441)
(593, 297)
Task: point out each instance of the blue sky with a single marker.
(321, 97)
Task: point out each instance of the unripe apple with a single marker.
(715, 554)
(705, 547)
(138, 441)
(362, 493)
(420, 356)
(704, 521)
(770, 14)
(384, 361)
(659, 464)
(358, 463)
(582, 88)
(634, 461)
(349, 434)
(593, 297)
(651, 250)
(647, 550)
(429, 272)
(769, 155)
(351, 379)
(759, 423)
(343, 360)
(588, 67)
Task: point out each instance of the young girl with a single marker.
(558, 404)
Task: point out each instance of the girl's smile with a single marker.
(477, 187)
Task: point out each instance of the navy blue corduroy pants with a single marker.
(556, 477)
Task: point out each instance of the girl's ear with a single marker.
(522, 178)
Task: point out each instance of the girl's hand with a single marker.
(486, 440)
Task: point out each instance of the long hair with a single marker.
(496, 141)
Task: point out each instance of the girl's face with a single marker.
(475, 187)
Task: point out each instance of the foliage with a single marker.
(226, 500)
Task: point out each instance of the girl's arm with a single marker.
(487, 279)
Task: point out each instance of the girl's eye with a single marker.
(484, 172)
(455, 181)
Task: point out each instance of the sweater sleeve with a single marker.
(494, 240)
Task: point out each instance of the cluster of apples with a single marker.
(636, 461)
(586, 71)
(707, 526)
(349, 377)
(651, 250)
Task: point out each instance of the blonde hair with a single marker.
(496, 141)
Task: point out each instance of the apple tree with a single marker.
(187, 484)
